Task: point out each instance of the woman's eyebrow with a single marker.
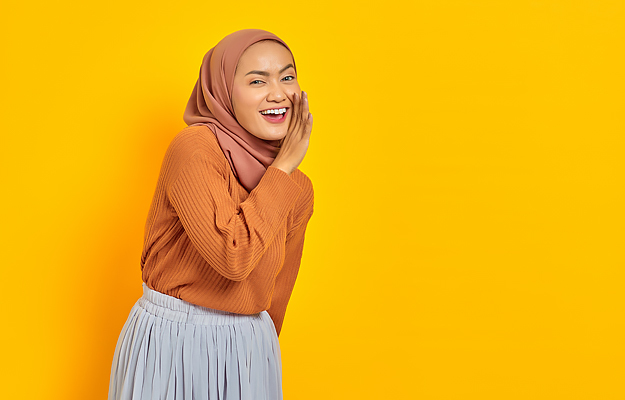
(265, 73)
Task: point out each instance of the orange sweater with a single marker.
(211, 243)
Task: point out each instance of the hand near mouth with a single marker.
(295, 144)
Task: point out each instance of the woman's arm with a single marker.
(231, 239)
(285, 281)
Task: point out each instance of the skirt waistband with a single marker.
(178, 310)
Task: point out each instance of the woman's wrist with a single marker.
(282, 167)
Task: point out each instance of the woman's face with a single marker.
(264, 79)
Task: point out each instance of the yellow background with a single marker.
(467, 158)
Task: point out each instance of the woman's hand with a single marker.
(295, 143)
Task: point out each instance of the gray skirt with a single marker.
(171, 349)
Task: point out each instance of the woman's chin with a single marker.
(271, 135)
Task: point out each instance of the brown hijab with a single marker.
(211, 104)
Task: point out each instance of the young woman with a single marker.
(224, 235)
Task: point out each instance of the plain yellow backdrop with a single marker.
(467, 158)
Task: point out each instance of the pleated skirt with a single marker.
(170, 349)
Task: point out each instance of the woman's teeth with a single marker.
(275, 111)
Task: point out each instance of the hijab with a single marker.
(211, 104)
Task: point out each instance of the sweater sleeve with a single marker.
(285, 281)
(231, 239)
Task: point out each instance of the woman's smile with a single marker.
(275, 115)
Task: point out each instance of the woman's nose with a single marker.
(276, 93)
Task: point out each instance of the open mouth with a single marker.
(276, 118)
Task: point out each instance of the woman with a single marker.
(224, 235)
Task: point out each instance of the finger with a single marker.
(309, 124)
(297, 127)
(299, 105)
(297, 115)
(303, 115)
(294, 113)
(305, 106)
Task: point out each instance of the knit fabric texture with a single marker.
(211, 243)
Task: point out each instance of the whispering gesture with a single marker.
(295, 144)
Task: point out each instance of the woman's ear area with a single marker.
(232, 101)
(235, 91)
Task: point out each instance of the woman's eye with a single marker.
(259, 81)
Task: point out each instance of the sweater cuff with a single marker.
(275, 194)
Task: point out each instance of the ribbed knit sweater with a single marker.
(211, 243)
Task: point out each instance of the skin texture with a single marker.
(252, 93)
